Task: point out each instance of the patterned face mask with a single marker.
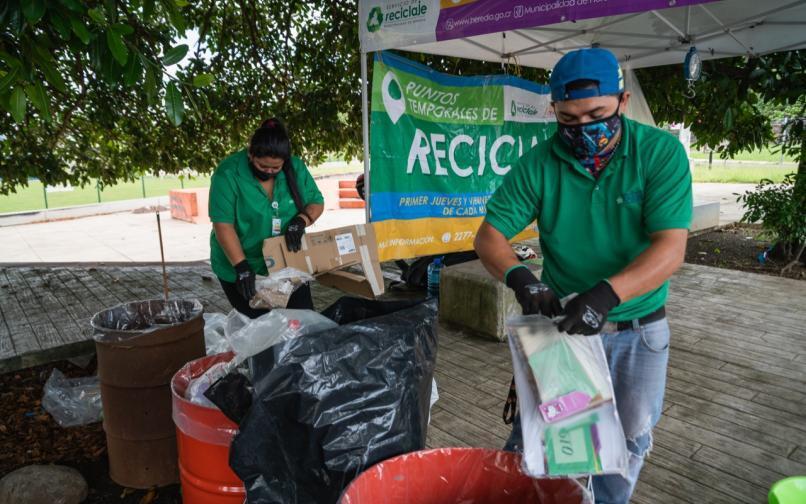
(591, 142)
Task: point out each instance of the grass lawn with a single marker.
(765, 154)
(32, 197)
(739, 173)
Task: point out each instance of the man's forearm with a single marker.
(494, 251)
(653, 267)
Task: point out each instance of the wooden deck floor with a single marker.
(734, 419)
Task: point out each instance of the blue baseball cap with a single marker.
(594, 64)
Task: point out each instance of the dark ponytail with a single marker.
(271, 140)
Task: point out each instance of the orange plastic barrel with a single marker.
(458, 475)
(203, 436)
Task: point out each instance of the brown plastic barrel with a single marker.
(135, 364)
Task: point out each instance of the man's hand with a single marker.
(534, 297)
(587, 313)
(293, 234)
(245, 280)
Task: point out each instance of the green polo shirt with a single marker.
(236, 197)
(592, 229)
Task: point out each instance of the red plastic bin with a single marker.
(203, 437)
(458, 475)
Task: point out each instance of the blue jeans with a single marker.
(637, 358)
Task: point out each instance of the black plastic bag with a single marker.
(416, 274)
(331, 404)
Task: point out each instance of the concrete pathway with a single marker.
(132, 237)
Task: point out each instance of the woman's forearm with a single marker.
(228, 239)
(313, 211)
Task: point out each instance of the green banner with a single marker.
(440, 146)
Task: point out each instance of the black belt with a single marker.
(656, 315)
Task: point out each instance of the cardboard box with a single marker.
(324, 253)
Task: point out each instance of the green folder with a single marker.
(559, 372)
(570, 449)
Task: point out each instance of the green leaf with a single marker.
(36, 93)
(73, 5)
(53, 76)
(123, 29)
(174, 15)
(150, 85)
(61, 24)
(97, 15)
(174, 106)
(33, 10)
(148, 9)
(181, 3)
(8, 79)
(727, 120)
(175, 55)
(202, 80)
(17, 104)
(116, 45)
(80, 30)
(134, 69)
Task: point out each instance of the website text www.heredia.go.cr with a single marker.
(518, 11)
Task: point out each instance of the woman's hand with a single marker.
(294, 232)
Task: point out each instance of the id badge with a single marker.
(276, 223)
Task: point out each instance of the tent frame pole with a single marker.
(365, 133)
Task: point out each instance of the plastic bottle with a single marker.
(433, 277)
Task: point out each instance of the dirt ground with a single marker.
(29, 435)
(737, 247)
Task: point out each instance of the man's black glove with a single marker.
(587, 313)
(245, 280)
(534, 296)
(293, 234)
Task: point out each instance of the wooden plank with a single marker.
(721, 482)
(735, 448)
(438, 438)
(465, 431)
(678, 444)
(483, 419)
(6, 345)
(781, 404)
(722, 424)
(772, 415)
(467, 392)
(741, 418)
(792, 370)
(755, 474)
(647, 494)
(683, 488)
(711, 383)
(799, 455)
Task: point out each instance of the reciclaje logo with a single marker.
(401, 14)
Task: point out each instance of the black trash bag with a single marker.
(352, 309)
(333, 404)
(232, 394)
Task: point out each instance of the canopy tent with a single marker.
(536, 33)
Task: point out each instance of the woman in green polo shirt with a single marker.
(257, 193)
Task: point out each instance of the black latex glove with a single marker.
(293, 234)
(587, 313)
(534, 296)
(245, 280)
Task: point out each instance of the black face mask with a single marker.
(261, 175)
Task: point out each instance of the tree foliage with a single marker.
(110, 89)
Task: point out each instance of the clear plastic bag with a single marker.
(567, 407)
(199, 385)
(72, 401)
(139, 317)
(215, 340)
(248, 337)
(275, 290)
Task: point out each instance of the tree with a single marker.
(96, 89)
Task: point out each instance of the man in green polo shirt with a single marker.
(257, 193)
(612, 198)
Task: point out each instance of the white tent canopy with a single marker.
(641, 38)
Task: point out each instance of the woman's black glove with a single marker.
(245, 280)
(534, 296)
(293, 234)
(587, 313)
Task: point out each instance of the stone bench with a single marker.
(472, 300)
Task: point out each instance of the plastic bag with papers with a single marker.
(215, 340)
(567, 407)
(275, 290)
